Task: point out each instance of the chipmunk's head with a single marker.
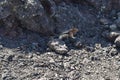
(75, 30)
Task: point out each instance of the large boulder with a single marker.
(51, 16)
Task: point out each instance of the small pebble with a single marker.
(10, 58)
(1, 46)
(35, 45)
(98, 46)
(117, 22)
(113, 52)
(78, 44)
(95, 58)
(118, 14)
(104, 21)
(113, 27)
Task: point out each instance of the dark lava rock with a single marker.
(104, 21)
(117, 21)
(94, 58)
(52, 16)
(10, 58)
(111, 35)
(104, 5)
(113, 27)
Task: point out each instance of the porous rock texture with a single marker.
(53, 16)
(94, 53)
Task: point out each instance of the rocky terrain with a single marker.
(30, 48)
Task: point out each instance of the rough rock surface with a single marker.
(24, 55)
(52, 16)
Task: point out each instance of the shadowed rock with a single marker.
(52, 16)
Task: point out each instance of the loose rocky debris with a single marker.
(103, 62)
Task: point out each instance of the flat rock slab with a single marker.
(58, 46)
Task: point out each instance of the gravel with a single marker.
(102, 63)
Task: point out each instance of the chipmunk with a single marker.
(69, 34)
